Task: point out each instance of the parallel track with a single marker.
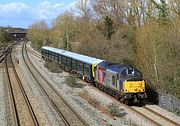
(5, 52)
(158, 118)
(14, 107)
(163, 117)
(33, 53)
(60, 98)
(15, 100)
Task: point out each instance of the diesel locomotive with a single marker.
(121, 81)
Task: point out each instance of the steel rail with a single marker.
(45, 92)
(57, 93)
(30, 109)
(17, 121)
(34, 53)
(163, 117)
(25, 96)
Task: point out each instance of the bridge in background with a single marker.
(17, 35)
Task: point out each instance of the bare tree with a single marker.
(83, 9)
(112, 8)
(175, 8)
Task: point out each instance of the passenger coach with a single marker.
(81, 64)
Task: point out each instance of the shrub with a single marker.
(115, 111)
(71, 81)
(53, 67)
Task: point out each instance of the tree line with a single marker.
(142, 33)
(4, 38)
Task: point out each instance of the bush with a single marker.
(71, 81)
(53, 67)
(115, 111)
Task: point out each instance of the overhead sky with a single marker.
(22, 13)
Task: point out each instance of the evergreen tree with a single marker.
(108, 29)
(4, 36)
(162, 11)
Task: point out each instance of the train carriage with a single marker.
(81, 64)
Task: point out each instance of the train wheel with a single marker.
(121, 100)
(117, 97)
(142, 102)
(105, 89)
(128, 102)
(94, 84)
(97, 85)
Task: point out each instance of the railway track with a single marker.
(22, 109)
(33, 53)
(169, 119)
(69, 116)
(147, 114)
(4, 53)
(160, 119)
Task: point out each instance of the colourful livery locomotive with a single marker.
(120, 81)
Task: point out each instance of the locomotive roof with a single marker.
(76, 56)
(105, 64)
(117, 68)
(113, 66)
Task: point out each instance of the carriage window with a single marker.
(80, 65)
(73, 62)
(86, 71)
(113, 80)
(69, 61)
(56, 56)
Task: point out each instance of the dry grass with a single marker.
(95, 103)
(88, 98)
(54, 67)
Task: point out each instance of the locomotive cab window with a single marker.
(130, 71)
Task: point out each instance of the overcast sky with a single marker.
(22, 13)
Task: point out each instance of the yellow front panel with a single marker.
(134, 86)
